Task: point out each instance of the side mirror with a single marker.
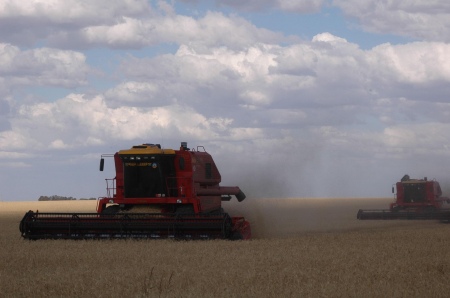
(392, 189)
(102, 164)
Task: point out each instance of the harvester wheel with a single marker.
(185, 210)
(430, 209)
(236, 236)
(217, 211)
(113, 209)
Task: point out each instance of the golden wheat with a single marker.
(302, 248)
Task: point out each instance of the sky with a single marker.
(292, 98)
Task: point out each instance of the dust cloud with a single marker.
(279, 218)
(445, 186)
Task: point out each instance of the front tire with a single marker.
(236, 236)
(113, 209)
(396, 209)
(185, 210)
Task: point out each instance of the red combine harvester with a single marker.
(416, 199)
(157, 193)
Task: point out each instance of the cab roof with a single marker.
(146, 149)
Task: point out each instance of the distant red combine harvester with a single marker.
(415, 199)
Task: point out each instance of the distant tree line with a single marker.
(60, 198)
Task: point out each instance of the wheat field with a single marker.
(302, 247)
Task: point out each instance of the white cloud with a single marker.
(425, 20)
(414, 63)
(77, 121)
(422, 139)
(29, 22)
(191, 72)
(214, 29)
(279, 85)
(15, 164)
(136, 93)
(14, 155)
(298, 6)
(71, 12)
(44, 66)
(255, 98)
(290, 87)
(57, 144)
(118, 24)
(328, 72)
(328, 37)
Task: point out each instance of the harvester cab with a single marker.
(174, 180)
(417, 194)
(156, 193)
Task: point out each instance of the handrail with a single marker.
(110, 190)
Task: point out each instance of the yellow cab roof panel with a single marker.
(414, 181)
(146, 149)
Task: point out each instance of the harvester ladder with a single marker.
(110, 187)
